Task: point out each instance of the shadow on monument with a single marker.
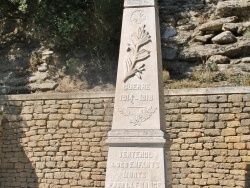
(169, 167)
(16, 169)
(248, 176)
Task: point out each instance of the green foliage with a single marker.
(62, 21)
(69, 24)
(211, 66)
(22, 4)
(84, 23)
(247, 33)
(207, 73)
(243, 80)
(165, 76)
(70, 62)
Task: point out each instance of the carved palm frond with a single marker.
(137, 53)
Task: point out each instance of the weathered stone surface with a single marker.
(228, 132)
(245, 60)
(182, 38)
(243, 130)
(42, 68)
(47, 52)
(189, 134)
(225, 37)
(233, 27)
(43, 86)
(228, 8)
(212, 132)
(193, 117)
(219, 59)
(203, 51)
(216, 25)
(38, 77)
(203, 38)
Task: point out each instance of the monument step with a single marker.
(137, 133)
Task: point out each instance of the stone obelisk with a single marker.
(137, 141)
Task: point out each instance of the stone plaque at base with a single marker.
(138, 142)
(135, 167)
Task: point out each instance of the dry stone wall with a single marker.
(58, 140)
(210, 139)
(55, 142)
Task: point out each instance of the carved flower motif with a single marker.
(138, 17)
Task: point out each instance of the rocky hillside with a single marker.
(207, 41)
(204, 43)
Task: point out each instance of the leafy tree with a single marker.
(66, 24)
(69, 22)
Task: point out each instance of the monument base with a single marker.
(137, 159)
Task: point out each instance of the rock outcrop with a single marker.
(239, 8)
(220, 34)
(225, 37)
(21, 79)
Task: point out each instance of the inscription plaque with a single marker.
(135, 168)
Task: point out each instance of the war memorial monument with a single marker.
(137, 141)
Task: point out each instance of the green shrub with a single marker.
(165, 76)
(247, 33)
(69, 24)
(85, 23)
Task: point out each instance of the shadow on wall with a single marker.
(248, 176)
(15, 168)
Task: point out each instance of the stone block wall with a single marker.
(58, 140)
(57, 143)
(210, 139)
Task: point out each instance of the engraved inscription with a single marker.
(135, 154)
(137, 86)
(136, 119)
(134, 174)
(133, 98)
(135, 168)
(137, 54)
(145, 97)
(138, 17)
(144, 184)
(136, 164)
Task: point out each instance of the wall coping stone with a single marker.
(58, 96)
(207, 91)
(111, 94)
